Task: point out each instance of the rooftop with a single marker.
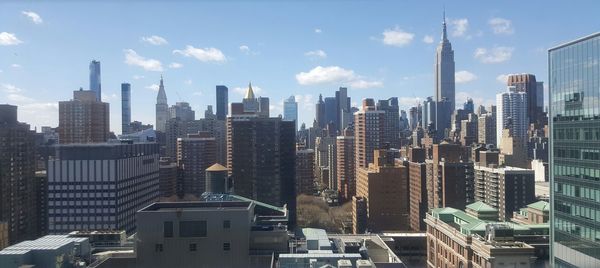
(49, 242)
(540, 205)
(481, 207)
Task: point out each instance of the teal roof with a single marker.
(481, 207)
(540, 205)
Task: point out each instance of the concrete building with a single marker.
(506, 189)
(449, 176)
(456, 238)
(195, 154)
(346, 171)
(100, 186)
(162, 107)
(384, 187)
(47, 252)
(83, 119)
(575, 152)
(512, 151)
(368, 133)
(167, 177)
(17, 177)
(261, 156)
(217, 231)
(305, 166)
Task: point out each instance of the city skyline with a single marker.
(193, 60)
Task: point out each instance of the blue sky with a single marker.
(377, 49)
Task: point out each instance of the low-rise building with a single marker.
(47, 252)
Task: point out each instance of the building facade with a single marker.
(512, 114)
(346, 170)
(368, 133)
(125, 108)
(195, 153)
(305, 179)
(95, 81)
(83, 119)
(290, 110)
(222, 102)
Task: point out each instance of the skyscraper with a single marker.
(290, 110)
(346, 171)
(162, 107)
(195, 153)
(575, 152)
(368, 133)
(391, 135)
(222, 102)
(343, 114)
(83, 119)
(528, 84)
(511, 113)
(320, 112)
(183, 111)
(444, 81)
(95, 84)
(125, 108)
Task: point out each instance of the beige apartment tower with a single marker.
(83, 119)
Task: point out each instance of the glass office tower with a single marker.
(574, 74)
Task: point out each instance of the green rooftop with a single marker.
(540, 205)
(481, 207)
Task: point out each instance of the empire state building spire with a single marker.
(444, 33)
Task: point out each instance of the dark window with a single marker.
(192, 228)
(168, 229)
(226, 246)
(227, 224)
(158, 247)
(193, 247)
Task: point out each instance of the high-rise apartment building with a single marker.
(290, 110)
(305, 179)
(506, 189)
(95, 81)
(369, 126)
(162, 107)
(469, 130)
(535, 104)
(512, 114)
(125, 108)
(346, 170)
(384, 187)
(195, 153)
(418, 194)
(575, 152)
(486, 128)
(391, 132)
(222, 102)
(261, 156)
(167, 179)
(17, 177)
(83, 119)
(100, 186)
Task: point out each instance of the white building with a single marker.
(512, 114)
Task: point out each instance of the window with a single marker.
(168, 229)
(158, 247)
(226, 224)
(226, 246)
(192, 228)
(193, 247)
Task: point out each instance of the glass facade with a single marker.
(574, 76)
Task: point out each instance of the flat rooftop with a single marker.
(197, 206)
(49, 242)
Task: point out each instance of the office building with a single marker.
(384, 187)
(50, 251)
(458, 238)
(100, 186)
(290, 110)
(261, 156)
(343, 111)
(17, 177)
(444, 83)
(575, 152)
(125, 108)
(183, 111)
(346, 170)
(95, 81)
(506, 189)
(391, 125)
(222, 102)
(305, 168)
(429, 114)
(162, 108)
(195, 153)
(167, 177)
(534, 90)
(369, 125)
(512, 114)
(83, 119)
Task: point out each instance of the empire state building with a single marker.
(444, 82)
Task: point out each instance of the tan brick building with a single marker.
(83, 119)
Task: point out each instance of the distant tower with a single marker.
(95, 84)
(222, 102)
(290, 110)
(162, 108)
(320, 112)
(125, 107)
(444, 81)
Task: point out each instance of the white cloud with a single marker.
(11, 89)
(202, 54)
(188, 82)
(39, 113)
(334, 74)
(16, 66)
(318, 31)
(153, 87)
(18, 98)
(502, 78)
(132, 58)
(245, 49)
(462, 77)
(428, 39)
(460, 27)
(316, 54)
(34, 17)
(155, 40)
(175, 65)
(494, 55)
(501, 26)
(9, 39)
(197, 93)
(409, 102)
(108, 98)
(242, 90)
(397, 37)
(138, 77)
(306, 102)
